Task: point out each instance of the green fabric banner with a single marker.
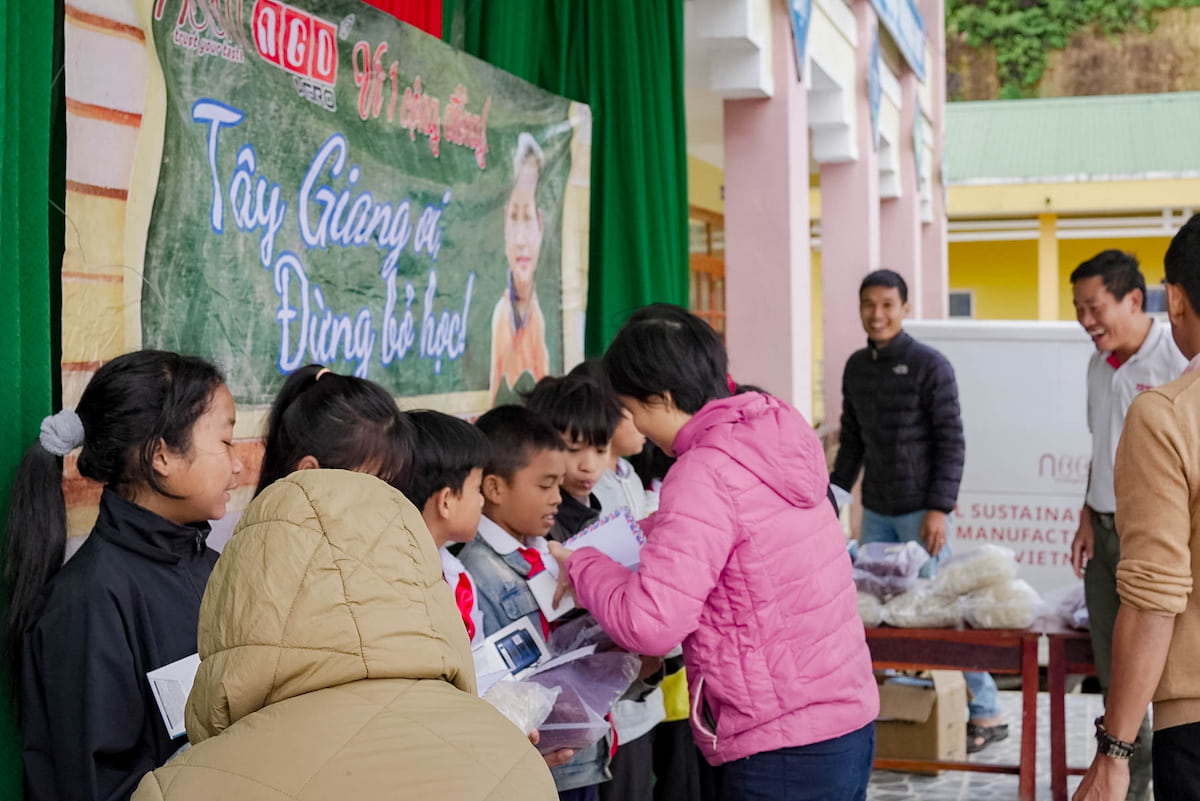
(625, 59)
(338, 187)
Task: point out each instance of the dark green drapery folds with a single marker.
(30, 48)
(625, 59)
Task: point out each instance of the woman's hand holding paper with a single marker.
(561, 555)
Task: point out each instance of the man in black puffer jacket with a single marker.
(900, 418)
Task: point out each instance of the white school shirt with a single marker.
(453, 570)
(504, 543)
(1110, 391)
(619, 488)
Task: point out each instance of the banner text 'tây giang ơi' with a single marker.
(338, 187)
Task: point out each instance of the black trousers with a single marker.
(680, 772)
(632, 771)
(1176, 758)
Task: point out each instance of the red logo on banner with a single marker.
(296, 41)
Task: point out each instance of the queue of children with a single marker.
(336, 628)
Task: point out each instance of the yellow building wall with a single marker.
(1003, 275)
(994, 201)
(705, 182)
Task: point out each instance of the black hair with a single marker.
(888, 279)
(652, 463)
(1118, 270)
(131, 405)
(445, 451)
(342, 421)
(1182, 262)
(577, 407)
(594, 369)
(515, 435)
(665, 348)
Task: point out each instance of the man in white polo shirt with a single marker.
(1133, 353)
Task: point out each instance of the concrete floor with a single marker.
(961, 786)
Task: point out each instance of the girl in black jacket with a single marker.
(157, 432)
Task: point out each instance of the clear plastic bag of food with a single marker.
(969, 572)
(579, 632)
(1013, 605)
(1082, 619)
(1068, 604)
(527, 704)
(900, 559)
(882, 587)
(589, 686)
(869, 609)
(921, 608)
(571, 724)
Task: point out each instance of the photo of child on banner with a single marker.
(518, 325)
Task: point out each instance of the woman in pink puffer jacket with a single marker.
(745, 563)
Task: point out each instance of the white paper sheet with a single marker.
(617, 535)
(171, 685)
(543, 586)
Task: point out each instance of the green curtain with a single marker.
(30, 57)
(625, 59)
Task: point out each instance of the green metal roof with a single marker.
(1099, 138)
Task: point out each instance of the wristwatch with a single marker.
(1110, 746)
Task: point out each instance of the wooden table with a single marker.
(1070, 654)
(995, 651)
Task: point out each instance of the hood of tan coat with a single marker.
(331, 577)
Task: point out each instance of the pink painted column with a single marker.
(849, 231)
(900, 218)
(767, 256)
(934, 260)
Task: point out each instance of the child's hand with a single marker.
(555, 758)
(561, 555)
(650, 666)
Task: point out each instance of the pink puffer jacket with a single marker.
(746, 565)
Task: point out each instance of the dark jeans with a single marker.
(833, 770)
(1176, 757)
(578, 794)
(1100, 589)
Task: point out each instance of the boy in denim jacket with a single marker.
(520, 498)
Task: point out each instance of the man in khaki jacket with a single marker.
(1156, 639)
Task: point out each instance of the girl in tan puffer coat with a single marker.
(335, 665)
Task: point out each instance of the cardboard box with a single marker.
(922, 718)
